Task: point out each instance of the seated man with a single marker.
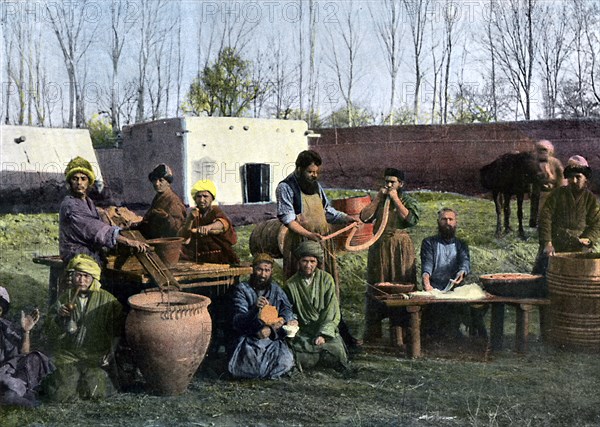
(167, 212)
(209, 232)
(313, 296)
(81, 231)
(261, 351)
(445, 262)
(84, 327)
(21, 371)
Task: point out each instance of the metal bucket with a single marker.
(574, 288)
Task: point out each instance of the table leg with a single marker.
(415, 331)
(544, 322)
(497, 327)
(522, 327)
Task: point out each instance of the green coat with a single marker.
(565, 218)
(318, 312)
(98, 325)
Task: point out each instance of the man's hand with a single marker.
(293, 322)
(63, 311)
(319, 340)
(203, 230)
(160, 212)
(280, 322)
(138, 246)
(426, 283)
(549, 249)
(28, 321)
(261, 302)
(265, 332)
(585, 241)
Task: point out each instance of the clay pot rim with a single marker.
(152, 304)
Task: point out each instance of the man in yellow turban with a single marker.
(84, 327)
(80, 228)
(209, 232)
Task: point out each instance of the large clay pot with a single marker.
(268, 236)
(352, 206)
(169, 333)
(574, 288)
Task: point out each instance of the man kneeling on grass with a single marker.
(84, 327)
(313, 296)
(260, 311)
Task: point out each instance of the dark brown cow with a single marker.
(508, 175)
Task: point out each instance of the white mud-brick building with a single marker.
(246, 158)
(33, 161)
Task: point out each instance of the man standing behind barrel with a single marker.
(392, 257)
(570, 217)
(304, 209)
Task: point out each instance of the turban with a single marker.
(86, 264)
(544, 143)
(79, 164)
(4, 294)
(161, 171)
(394, 172)
(204, 185)
(309, 248)
(262, 257)
(577, 164)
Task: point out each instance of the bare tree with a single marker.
(120, 27)
(554, 48)
(390, 33)
(515, 47)
(417, 15)
(344, 58)
(74, 33)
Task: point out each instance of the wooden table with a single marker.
(523, 307)
(187, 273)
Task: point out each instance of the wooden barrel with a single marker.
(268, 237)
(352, 206)
(574, 289)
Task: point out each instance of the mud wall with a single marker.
(445, 157)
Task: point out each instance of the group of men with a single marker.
(277, 328)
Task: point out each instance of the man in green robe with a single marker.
(570, 217)
(392, 258)
(84, 326)
(313, 296)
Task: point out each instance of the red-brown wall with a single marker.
(444, 157)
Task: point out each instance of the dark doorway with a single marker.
(257, 182)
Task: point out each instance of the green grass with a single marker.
(545, 387)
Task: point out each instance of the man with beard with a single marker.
(304, 209)
(570, 218)
(261, 350)
(81, 231)
(444, 262)
(167, 212)
(392, 257)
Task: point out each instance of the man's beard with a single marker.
(447, 232)
(259, 285)
(308, 186)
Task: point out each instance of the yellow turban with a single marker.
(204, 185)
(79, 164)
(86, 264)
